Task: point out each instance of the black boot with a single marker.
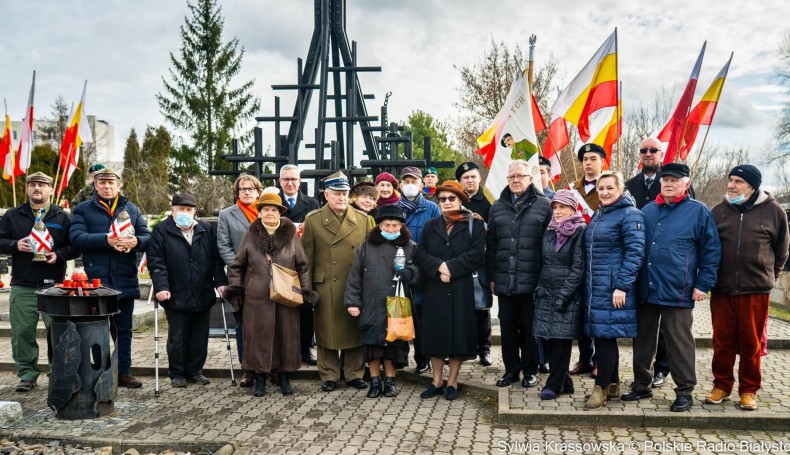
(389, 387)
(375, 387)
(260, 384)
(285, 386)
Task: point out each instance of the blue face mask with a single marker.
(736, 200)
(389, 236)
(184, 220)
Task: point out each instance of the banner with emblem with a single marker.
(515, 139)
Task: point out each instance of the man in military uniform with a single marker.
(521, 150)
(28, 275)
(331, 237)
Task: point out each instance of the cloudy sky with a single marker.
(122, 49)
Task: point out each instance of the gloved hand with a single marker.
(234, 296)
(407, 274)
(309, 297)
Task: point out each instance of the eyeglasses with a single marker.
(289, 180)
(447, 198)
(249, 189)
(517, 177)
(652, 150)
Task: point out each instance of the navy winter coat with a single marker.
(682, 253)
(515, 240)
(614, 253)
(90, 224)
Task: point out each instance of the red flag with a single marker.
(77, 132)
(7, 147)
(703, 112)
(673, 130)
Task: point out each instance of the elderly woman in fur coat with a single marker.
(370, 282)
(271, 330)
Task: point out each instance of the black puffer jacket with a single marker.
(370, 282)
(189, 272)
(558, 300)
(514, 241)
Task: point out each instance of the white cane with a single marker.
(227, 340)
(156, 340)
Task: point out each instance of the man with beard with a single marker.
(28, 275)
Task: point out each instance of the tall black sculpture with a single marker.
(335, 60)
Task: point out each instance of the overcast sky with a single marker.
(122, 49)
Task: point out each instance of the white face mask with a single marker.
(410, 190)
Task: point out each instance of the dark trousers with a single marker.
(483, 320)
(121, 332)
(239, 316)
(558, 354)
(543, 354)
(419, 357)
(676, 323)
(662, 359)
(515, 319)
(586, 350)
(738, 328)
(608, 358)
(305, 328)
(187, 342)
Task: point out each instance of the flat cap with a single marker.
(679, 170)
(106, 174)
(184, 199)
(39, 177)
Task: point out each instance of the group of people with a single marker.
(601, 260)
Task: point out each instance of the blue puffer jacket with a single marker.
(90, 224)
(425, 211)
(682, 253)
(615, 249)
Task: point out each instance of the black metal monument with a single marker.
(331, 69)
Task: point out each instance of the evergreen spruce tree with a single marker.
(198, 101)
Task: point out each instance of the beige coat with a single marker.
(331, 247)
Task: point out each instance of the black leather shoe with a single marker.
(507, 379)
(422, 368)
(659, 379)
(451, 393)
(432, 391)
(309, 359)
(247, 380)
(682, 403)
(389, 387)
(544, 368)
(375, 387)
(581, 368)
(260, 385)
(199, 379)
(358, 384)
(529, 381)
(328, 386)
(636, 395)
(486, 360)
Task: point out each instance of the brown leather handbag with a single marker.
(284, 287)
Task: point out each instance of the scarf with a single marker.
(108, 205)
(429, 191)
(250, 211)
(453, 216)
(271, 229)
(409, 206)
(392, 200)
(660, 199)
(565, 228)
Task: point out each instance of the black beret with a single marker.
(676, 170)
(464, 168)
(544, 161)
(184, 199)
(595, 148)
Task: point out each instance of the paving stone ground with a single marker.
(311, 421)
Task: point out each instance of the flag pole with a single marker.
(617, 108)
(701, 147)
(531, 61)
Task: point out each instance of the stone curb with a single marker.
(749, 420)
(119, 445)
